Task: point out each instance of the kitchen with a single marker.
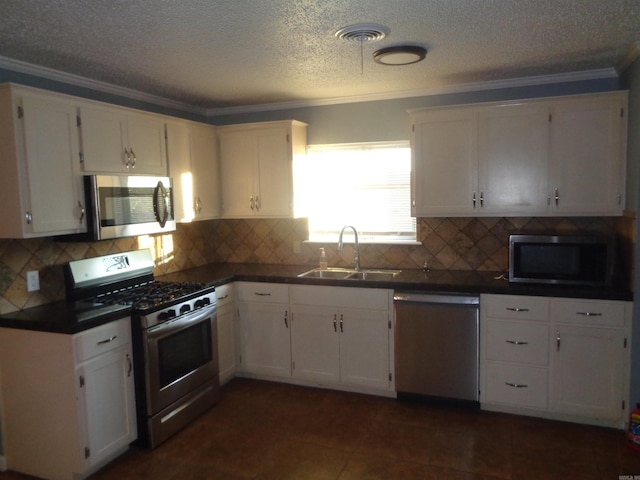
(273, 241)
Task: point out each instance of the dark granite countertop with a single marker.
(74, 317)
(408, 280)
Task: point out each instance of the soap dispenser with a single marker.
(323, 259)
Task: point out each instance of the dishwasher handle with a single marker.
(444, 298)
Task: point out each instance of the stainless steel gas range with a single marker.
(174, 332)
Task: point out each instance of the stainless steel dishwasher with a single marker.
(436, 347)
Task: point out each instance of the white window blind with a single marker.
(365, 185)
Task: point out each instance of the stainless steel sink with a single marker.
(350, 274)
(373, 275)
(327, 273)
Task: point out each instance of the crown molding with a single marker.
(103, 87)
(632, 54)
(426, 92)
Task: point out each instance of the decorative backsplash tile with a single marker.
(445, 244)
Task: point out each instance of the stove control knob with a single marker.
(202, 302)
(163, 316)
(185, 308)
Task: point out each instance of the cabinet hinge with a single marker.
(390, 376)
(81, 381)
(78, 121)
(81, 155)
(87, 452)
(625, 342)
(288, 138)
(413, 128)
(20, 112)
(389, 324)
(293, 365)
(550, 118)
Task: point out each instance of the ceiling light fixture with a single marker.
(400, 55)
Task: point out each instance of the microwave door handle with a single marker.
(161, 192)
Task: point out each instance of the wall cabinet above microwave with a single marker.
(41, 186)
(543, 157)
(119, 140)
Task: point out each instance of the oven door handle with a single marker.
(180, 322)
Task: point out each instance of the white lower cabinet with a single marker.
(265, 341)
(227, 337)
(555, 357)
(68, 400)
(335, 340)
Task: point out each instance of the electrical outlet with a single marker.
(33, 281)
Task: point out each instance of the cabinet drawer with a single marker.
(262, 292)
(516, 307)
(517, 342)
(341, 297)
(588, 312)
(224, 294)
(515, 385)
(101, 339)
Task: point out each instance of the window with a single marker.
(366, 185)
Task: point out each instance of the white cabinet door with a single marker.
(195, 170)
(147, 145)
(108, 397)
(206, 172)
(227, 343)
(587, 371)
(238, 163)
(445, 163)
(364, 347)
(275, 173)
(52, 155)
(115, 140)
(315, 348)
(265, 339)
(588, 145)
(513, 152)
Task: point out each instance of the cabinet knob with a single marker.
(81, 211)
(28, 218)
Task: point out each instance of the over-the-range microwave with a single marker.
(561, 259)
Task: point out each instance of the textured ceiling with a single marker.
(225, 53)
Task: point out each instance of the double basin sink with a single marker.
(350, 274)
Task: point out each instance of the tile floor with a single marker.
(263, 430)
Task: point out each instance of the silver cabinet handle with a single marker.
(481, 199)
(558, 340)
(516, 385)
(556, 196)
(517, 309)
(252, 203)
(589, 314)
(257, 203)
(286, 321)
(474, 200)
(81, 212)
(222, 298)
(130, 366)
(335, 323)
(517, 342)
(28, 217)
(261, 294)
(341, 325)
(111, 339)
(133, 158)
(127, 158)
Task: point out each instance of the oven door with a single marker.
(181, 355)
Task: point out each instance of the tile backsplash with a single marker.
(444, 243)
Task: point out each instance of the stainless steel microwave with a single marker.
(128, 205)
(561, 259)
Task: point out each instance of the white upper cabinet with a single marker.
(118, 140)
(195, 170)
(41, 186)
(257, 168)
(512, 164)
(444, 162)
(588, 155)
(554, 156)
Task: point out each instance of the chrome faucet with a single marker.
(356, 258)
